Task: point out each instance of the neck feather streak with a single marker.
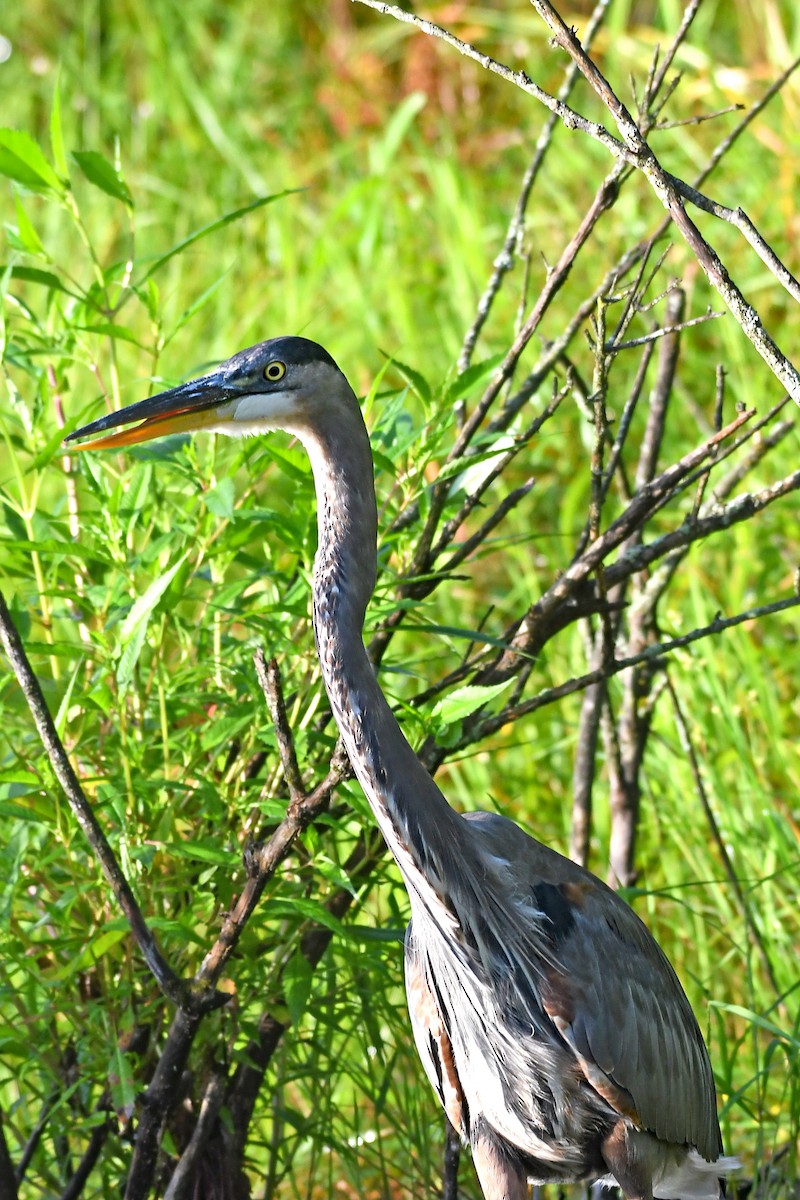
(412, 813)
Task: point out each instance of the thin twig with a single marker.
(8, 1178)
(171, 985)
(671, 191)
(720, 517)
(663, 331)
(699, 118)
(506, 505)
(669, 347)
(505, 259)
(556, 278)
(583, 767)
(632, 148)
(490, 724)
(643, 504)
(88, 1161)
(625, 737)
(719, 399)
(689, 14)
(727, 142)
(269, 677)
(29, 1149)
(183, 1175)
(523, 439)
(567, 115)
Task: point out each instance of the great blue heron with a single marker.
(549, 1022)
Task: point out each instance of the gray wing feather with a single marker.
(619, 1003)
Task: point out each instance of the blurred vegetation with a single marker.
(142, 583)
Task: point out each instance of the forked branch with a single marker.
(632, 149)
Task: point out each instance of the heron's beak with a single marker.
(193, 405)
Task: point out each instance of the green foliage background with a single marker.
(142, 583)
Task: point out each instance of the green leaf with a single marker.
(134, 627)
(21, 159)
(297, 977)
(57, 133)
(200, 852)
(109, 329)
(63, 708)
(417, 382)
(36, 275)
(457, 631)
(470, 378)
(212, 227)
(310, 909)
(103, 174)
(107, 940)
(220, 499)
(122, 1081)
(193, 308)
(461, 466)
(759, 1021)
(463, 701)
(143, 608)
(400, 122)
(52, 447)
(28, 237)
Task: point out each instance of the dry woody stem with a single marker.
(632, 149)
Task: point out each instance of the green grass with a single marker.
(396, 203)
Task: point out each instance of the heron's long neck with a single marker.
(413, 815)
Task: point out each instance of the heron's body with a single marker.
(549, 1022)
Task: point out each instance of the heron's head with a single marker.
(284, 383)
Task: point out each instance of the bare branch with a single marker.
(583, 767)
(158, 1100)
(632, 149)
(8, 1179)
(491, 724)
(567, 115)
(183, 1175)
(29, 1149)
(505, 259)
(473, 498)
(170, 984)
(88, 1160)
(718, 518)
(740, 220)
(470, 544)
(699, 118)
(750, 115)
(643, 504)
(689, 14)
(670, 195)
(270, 679)
(663, 331)
(556, 278)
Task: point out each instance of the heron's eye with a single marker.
(274, 371)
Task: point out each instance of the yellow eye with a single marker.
(274, 371)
